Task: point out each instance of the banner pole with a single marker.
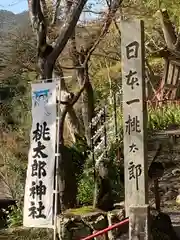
(57, 156)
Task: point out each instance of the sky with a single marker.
(18, 6)
(15, 6)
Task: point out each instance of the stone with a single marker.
(101, 237)
(114, 217)
(170, 195)
(176, 171)
(161, 227)
(119, 205)
(74, 226)
(139, 222)
(164, 188)
(178, 200)
(26, 233)
(96, 221)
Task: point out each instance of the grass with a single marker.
(160, 118)
(82, 211)
(21, 233)
(163, 117)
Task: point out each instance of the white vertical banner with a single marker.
(38, 199)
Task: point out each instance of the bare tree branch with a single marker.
(108, 20)
(94, 12)
(67, 30)
(54, 19)
(106, 56)
(168, 28)
(77, 96)
(114, 20)
(65, 111)
(44, 9)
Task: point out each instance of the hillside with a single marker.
(9, 22)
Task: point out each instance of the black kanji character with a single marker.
(132, 50)
(32, 210)
(135, 172)
(38, 151)
(133, 148)
(132, 79)
(136, 100)
(33, 190)
(38, 169)
(39, 210)
(38, 190)
(132, 125)
(36, 212)
(42, 131)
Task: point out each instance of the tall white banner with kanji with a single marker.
(38, 199)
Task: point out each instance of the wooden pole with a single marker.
(134, 122)
(57, 158)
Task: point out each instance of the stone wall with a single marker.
(76, 226)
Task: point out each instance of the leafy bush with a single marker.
(15, 216)
(85, 190)
(163, 117)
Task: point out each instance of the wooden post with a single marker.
(139, 222)
(134, 113)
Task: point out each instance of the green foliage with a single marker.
(163, 117)
(15, 217)
(14, 169)
(26, 234)
(16, 104)
(85, 190)
(79, 154)
(116, 169)
(15, 122)
(81, 211)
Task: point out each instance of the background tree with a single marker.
(50, 45)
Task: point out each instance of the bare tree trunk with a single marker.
(87, 100)
(47, 57)
(168, 29)
(73, 122)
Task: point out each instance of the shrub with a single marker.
(85, 190)
(15, 216)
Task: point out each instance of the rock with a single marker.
(96, 221)
(176, 186)
(73, 227)
(114, 217)
(163, 188)
(176, 171)
(64, 227)
(178, 200)
(170, 195)
(161, 227)
(119, 205)
(101, 237)
(26, 233)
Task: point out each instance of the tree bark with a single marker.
(87, 101)
(47, 56)
(168, 29)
